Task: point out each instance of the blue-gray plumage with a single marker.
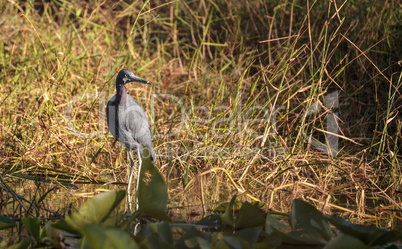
(128, 123)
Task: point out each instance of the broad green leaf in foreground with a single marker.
(372, 236)
(236, 242)
(223, 206)
(163, 231)
(51, 235)
(94, 210)
(198, 242)
(307, 218)
(210, 223)
(33, 227)
(250, 234)
(192, 232)
(345, 241)
(99, 237)
(25, 243)
(249, 216)
(299, 238)
(227, 217)
(6, 222)
(273, 223)
(152, 190)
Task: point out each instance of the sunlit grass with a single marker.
(231, 84)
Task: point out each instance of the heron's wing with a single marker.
(136, 123)
(132, 126)
(138, 127)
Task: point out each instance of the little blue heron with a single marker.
(128, 123)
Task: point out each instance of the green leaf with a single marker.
(210, 223)
(227, 217)
(299, 238)
(272, 240)
(346, 241)
(94, 210)
(273, 223)
(197, 242)
(191, 233)
(307, 218)
(210, 220)
(220, 244)
(33, 227)
(23, 244)
(157, 235)
(51, 236)
(250, 235)
(155, 241)
(276, 229)
(126, 223)
(370, 235)
(99, 237)
(120, 240)
(5, 222)
(249, 216)
(152, 191)
(164, 231)
(237, 243)
(383, 237)
(223, 206)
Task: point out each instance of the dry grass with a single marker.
(232, 83)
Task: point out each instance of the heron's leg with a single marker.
(130, 181)
(139, 172)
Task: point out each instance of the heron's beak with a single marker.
(137, 79)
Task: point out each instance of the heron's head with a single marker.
(126, 76)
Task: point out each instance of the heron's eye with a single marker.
(125, 75)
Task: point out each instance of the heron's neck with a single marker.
(121, 94)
